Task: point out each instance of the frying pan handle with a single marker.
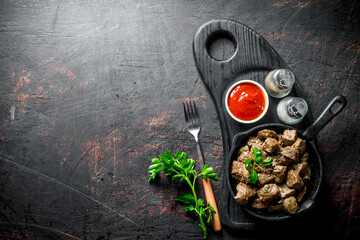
(326, 116)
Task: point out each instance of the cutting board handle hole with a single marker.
(221, 45)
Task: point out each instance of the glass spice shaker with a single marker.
(292, 110)
(279, 82)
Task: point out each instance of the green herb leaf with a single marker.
(201, 202)
(155, 160)
(210, 214)
(188, 165)
(168, 162)
(247, 163)
(266, 163)
(189, 208)
(166, 156)
(186, 198)
(154, 166)
(154, 169)
(253, 178)
(257, 155)
(178, 175)
(153, 174)
(208, 172)
(180, 155)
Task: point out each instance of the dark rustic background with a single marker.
(92, 90)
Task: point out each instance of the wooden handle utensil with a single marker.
(210, 198)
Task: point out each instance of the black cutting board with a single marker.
(253, 59)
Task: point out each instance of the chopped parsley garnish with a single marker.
(253, 178)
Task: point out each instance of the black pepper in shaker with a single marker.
(279, 82)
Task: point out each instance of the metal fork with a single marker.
(193, 124)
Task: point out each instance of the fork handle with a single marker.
(209, 194)
(210, 198)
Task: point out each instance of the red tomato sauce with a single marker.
(246, 101)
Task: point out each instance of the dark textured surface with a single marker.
(91, 91)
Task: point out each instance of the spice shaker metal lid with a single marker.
(284, 79)
(291, 110)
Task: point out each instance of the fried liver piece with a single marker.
(285, 191)
(307, 175)
(266, 133)
(293, 179)
(239, 172)
(274, 208)
(270, 145)
(283, 161)
(255, 142)
(265, 178)
(291, 153)
(302, 167)
(304, 170)
(244, 149)
(245, 156)
(264, 169)
(300, 145)
(258, 204)
(289, 137)
(279, 172)
(268, 192)
(300, 194)
(244, 193)
(290, 205)
(304, 157)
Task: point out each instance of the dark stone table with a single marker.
(92, 90)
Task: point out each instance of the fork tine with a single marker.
(191, 109)
(192, 118)
(190, 112)
(196, 114)
(186, 113)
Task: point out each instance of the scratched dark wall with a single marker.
(92, 90)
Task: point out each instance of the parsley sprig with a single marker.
(253, 178)
(180, 166)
